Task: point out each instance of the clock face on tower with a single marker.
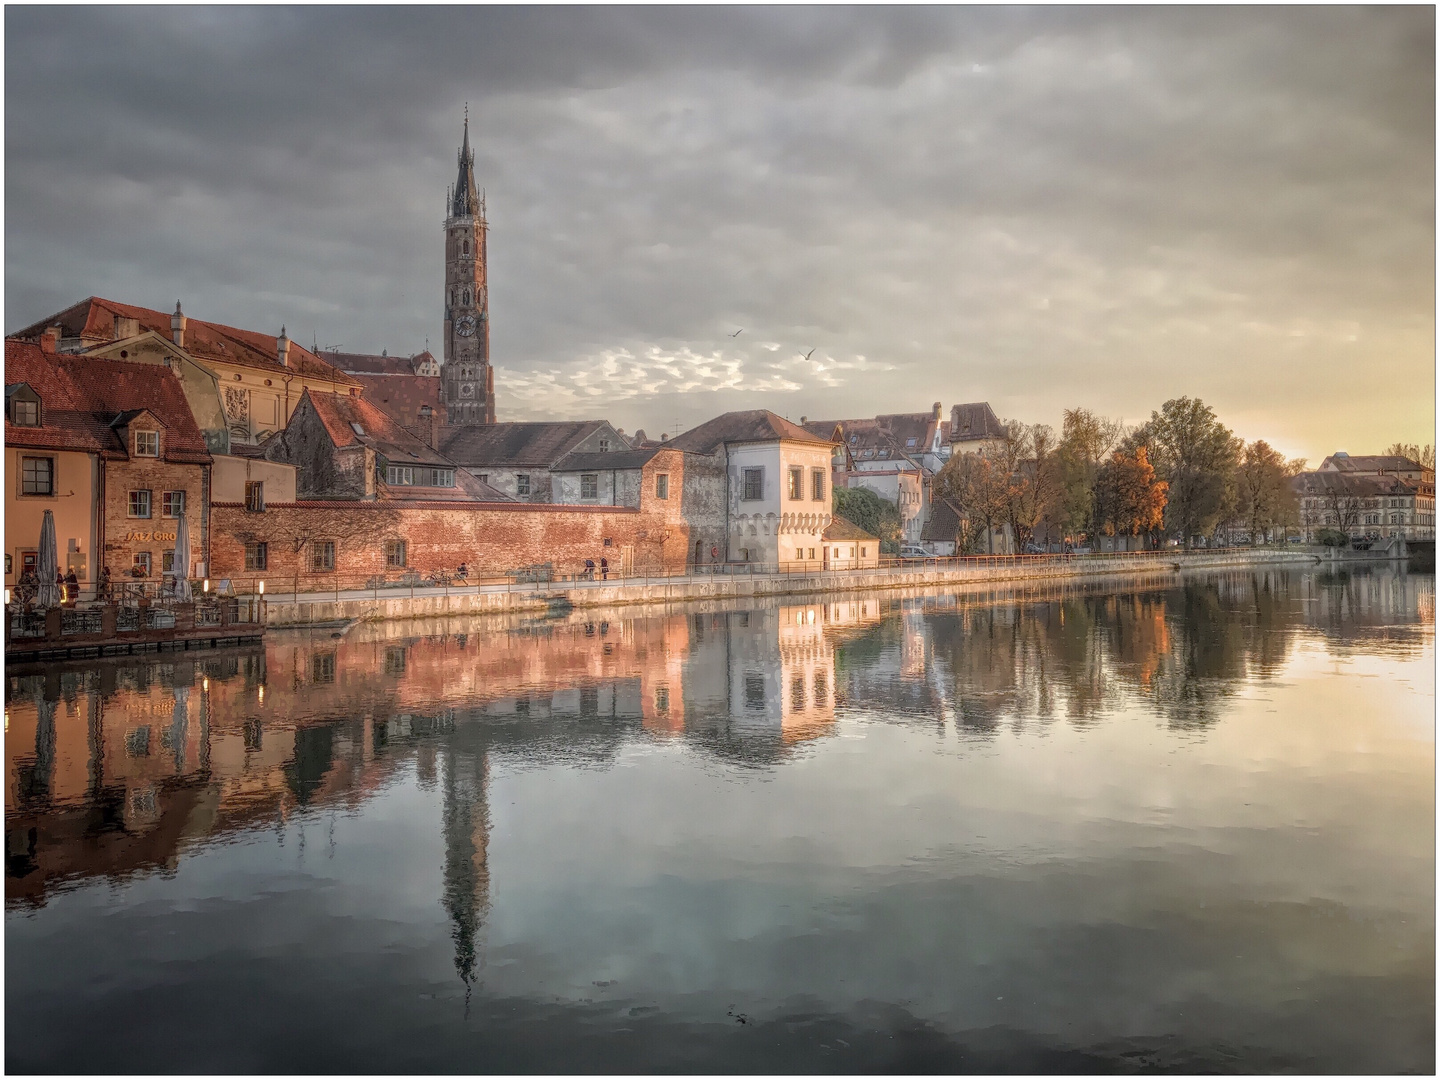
(466, 390)
(466, 326)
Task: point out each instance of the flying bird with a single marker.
(737, 333)
(808, 354)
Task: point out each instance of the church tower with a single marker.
(467, 383)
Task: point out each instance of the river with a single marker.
(1092, 826)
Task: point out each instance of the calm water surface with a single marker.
(1111, 827)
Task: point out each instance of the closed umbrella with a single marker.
(182, 560)
(48, 594)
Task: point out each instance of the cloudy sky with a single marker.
(1041, 208)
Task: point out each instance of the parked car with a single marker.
(910, 551)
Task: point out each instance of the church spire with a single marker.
(465, 203)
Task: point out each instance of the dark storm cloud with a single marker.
(1040, 207)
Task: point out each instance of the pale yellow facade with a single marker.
(73, 503)
(230, 475)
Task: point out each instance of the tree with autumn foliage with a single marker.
(1129, 498)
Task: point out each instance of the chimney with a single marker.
(50, 339)
(937, 411)
(282, 348)
(177, 326)
(427, 426)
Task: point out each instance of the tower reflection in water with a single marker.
(117, 769)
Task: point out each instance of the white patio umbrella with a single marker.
(182, 560)
(48, 594)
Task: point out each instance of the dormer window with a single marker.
(22, 405)
(910, 443)
(25, 413)
(147, 444)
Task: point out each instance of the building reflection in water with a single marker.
(118, 768)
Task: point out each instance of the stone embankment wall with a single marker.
(319, 608)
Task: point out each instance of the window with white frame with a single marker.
(172, 504)
(522, 483)
(147, 444)
(140, 504)
(589, 485)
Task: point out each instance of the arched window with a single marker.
(467, 247)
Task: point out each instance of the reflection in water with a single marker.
(118, 770)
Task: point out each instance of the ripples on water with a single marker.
(1106, 827)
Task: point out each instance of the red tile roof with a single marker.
(340, 413)
(92, 321)
(81, 397)
(402, 396)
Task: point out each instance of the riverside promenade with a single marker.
(730, 582)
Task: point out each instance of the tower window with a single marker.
(467, 247)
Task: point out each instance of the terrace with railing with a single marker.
(103, 618)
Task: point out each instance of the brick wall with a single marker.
(490, 538)
(124, 535)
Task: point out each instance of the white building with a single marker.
(777, 485)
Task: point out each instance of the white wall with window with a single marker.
(777, 510)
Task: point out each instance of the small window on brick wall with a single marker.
(257, 556)
(662, 486)
(322, 555)
(147, 444)
(140, 504)
(395, 554)
(172, 504)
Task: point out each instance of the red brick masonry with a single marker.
(491, 538)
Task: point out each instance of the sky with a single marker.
(1040, 208)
